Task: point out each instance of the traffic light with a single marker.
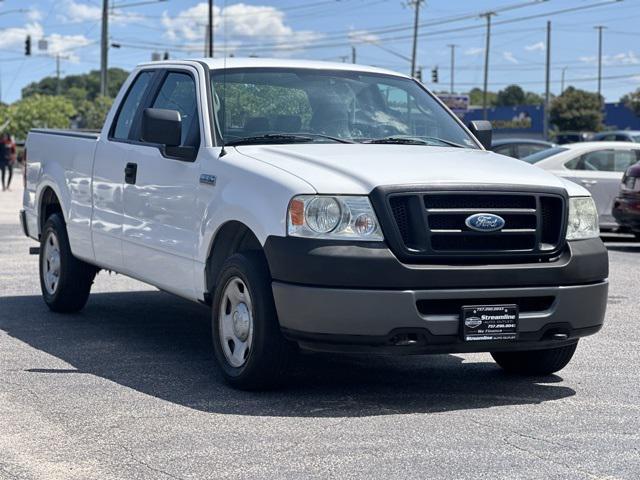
(419, 74)
(27, 45)
(165, 56)
(434, 75)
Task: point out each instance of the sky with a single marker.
(380, 31)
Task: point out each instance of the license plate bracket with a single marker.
(489, 323)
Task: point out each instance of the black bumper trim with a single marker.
(23, 223)
(371, 265)
(427, 343)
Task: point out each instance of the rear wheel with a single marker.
(536, 362)
(248, 344)
(65, 281)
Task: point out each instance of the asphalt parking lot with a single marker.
(128, 390)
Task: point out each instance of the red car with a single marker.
(626, 207)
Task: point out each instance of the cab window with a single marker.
(178, 92)
(127, 113)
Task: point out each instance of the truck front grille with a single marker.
(432, 224)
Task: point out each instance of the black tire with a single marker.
(535, 362)
(71, 290)
(269, 353)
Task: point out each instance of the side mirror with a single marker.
(482, 129)
(161, 126)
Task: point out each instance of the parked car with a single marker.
(597, 166)
(321, 206)
(618, 136)
(564, 137)
(626, 206)
(519, 147)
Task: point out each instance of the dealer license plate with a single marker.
(488, 323)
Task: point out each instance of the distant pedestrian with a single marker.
(7, 159)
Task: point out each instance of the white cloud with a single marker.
(13, 38)
(34, 15)
(363, 36)
(239, 22)
(535, 47)
(623, 58)
(76, 12)
(474, 52)
(508, 56)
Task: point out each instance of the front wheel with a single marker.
(247, 341)
(65, 281)
(536, 362)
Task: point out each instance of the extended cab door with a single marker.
(109, 164)
(161, 216)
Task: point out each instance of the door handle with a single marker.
(130, 173)
(588, 183)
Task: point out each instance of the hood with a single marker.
(359, 168)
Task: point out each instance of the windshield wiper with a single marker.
(283, 138)
(413, 141)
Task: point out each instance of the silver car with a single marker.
(597, 166)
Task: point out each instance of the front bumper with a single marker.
(341, 297)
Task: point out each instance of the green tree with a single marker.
(577, 110)
(532, 98)
(89, 82)
(475, 97)
(632, 101)
(511, 96)
(91, 115)
(38, 111)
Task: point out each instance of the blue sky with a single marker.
(380, 30)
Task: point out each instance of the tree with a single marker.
(475, 97)
(91, 115)
(577, 110)
(532, 98)
(632, 101)
(89, 82)
(38, 111)
(511, 96)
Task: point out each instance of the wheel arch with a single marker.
(48, 204)
(232, 237)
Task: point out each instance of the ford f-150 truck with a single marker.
(318, 206)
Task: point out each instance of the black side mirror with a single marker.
(482, 129)
(161, 126)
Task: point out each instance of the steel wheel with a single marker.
(51, 263)
(236, 322)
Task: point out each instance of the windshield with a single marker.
(536, 157)
(278, 105)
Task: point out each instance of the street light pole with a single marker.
(564, 69)
(600, 28)
(210, 30)
(453, 66)
(547, 93)
(104, 48)
(416, 17)
(488, 16)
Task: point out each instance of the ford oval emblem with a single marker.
(484, 222)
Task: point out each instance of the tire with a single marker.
(535, 362)
(248, 344)
(65, 281)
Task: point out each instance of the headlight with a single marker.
(333, 217)
(583, 219)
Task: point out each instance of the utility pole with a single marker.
(600, 28)
(488, 16)
(104, 48)
(416, 17)
(210, 30)
(57, 74)
(353, 54)
(453, 66)
(547, 81)
(564, 69)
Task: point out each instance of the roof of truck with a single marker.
(239, 62)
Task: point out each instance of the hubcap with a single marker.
(236, 322)
(51, 263)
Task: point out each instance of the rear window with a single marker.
(549, 152)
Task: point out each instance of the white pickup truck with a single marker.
(321, 206)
